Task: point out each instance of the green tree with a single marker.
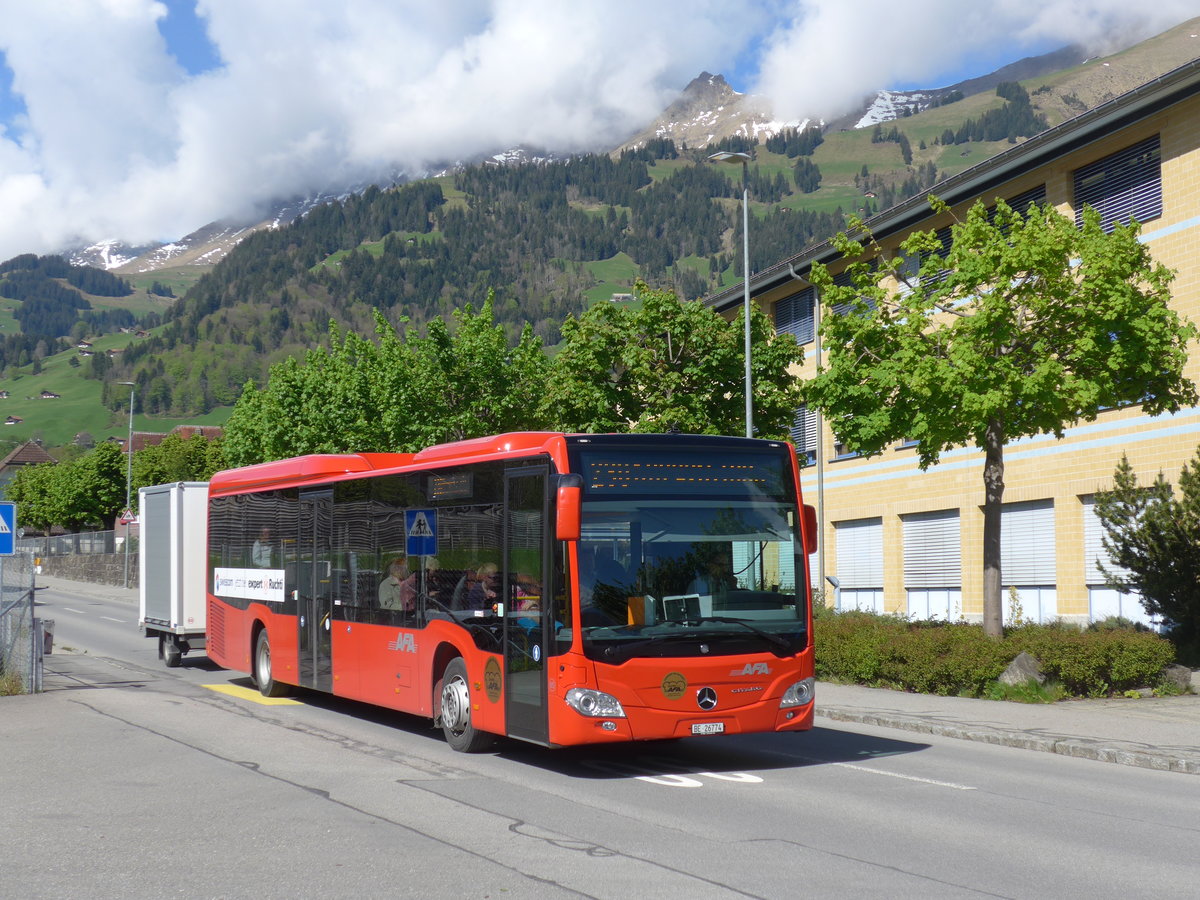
(669, 364)
(31, 490)
(1024, 326)
(88, 491)
(398, 394)
(177, 459)
(1153, 540)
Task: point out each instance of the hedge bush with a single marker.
(959, 660)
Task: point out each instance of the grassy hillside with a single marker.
(57, 421)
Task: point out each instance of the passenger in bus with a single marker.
(261, 552)
(399, 589)
(438, 583)
(486, 591)
(462, 588)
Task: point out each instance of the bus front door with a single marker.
(526, 571)
(315, 583)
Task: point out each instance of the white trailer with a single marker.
(173, 602)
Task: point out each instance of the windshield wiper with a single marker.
(625, 648)
(775, 639)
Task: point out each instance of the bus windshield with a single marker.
(690, 555)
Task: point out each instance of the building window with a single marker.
(946, 239)
(841, 451)
(804, 433)
(794, 315)
(1123, 186)
(1027, 560)
(1103, 600)
(1022, 202)
(860, 564)
(933, 565)
(845, 279)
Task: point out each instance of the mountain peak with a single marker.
(707, 110)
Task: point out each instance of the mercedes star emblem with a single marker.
(706, 698)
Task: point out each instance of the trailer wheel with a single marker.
(168, 650)
(454, 704)
(267, 685)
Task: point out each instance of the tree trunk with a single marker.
(993, 499)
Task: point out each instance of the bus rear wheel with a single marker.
(267, 685)
(454, 706)
(168, 650)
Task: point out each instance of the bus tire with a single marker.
(454, 711)
(168, 651)
(267, 685)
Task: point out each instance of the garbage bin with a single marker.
(47, 636)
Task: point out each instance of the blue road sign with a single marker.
(8, 529)
(420, 526)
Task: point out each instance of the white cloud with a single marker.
(120, 141)
(825, 55)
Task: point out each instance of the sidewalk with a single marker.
(85, 589)
(1154, 733)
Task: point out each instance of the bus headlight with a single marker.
(595, 704)
(798, 694)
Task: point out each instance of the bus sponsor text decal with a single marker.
(249, 584)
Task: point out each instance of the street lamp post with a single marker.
(128, 471)
(744, 159)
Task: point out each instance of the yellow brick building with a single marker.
(897, 539)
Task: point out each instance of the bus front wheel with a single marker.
(267, 685)
(454, 706)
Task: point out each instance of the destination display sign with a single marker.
(648, 472)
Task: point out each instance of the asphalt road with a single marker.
(132, 780)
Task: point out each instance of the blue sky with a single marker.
(145, 119)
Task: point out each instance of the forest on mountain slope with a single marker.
(550, 238)
(530, 232)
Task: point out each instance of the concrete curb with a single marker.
(1185, 761)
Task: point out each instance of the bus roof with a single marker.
(322, 467)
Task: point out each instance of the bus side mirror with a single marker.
(810, 529)
(568, 507)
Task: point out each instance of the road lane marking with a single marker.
(947, 784)
(76, 611)
(253, 696)
(668, 779)
(111, 619)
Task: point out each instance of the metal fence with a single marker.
(22, 634)
(71, 544)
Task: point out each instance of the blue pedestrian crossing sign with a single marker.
(420, 526)
(8, 529)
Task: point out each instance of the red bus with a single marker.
(560, 589)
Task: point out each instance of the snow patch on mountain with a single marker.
(891, 105)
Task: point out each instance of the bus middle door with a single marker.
(315, 579)
(526, 585)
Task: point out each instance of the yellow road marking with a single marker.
(253, 696)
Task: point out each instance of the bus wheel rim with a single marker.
(455, 705)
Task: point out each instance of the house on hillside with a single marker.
(30, 453)
(13, 420)
(208, 432)
(50, 395)
(144, 439)
(3, 395)
(901, 540)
